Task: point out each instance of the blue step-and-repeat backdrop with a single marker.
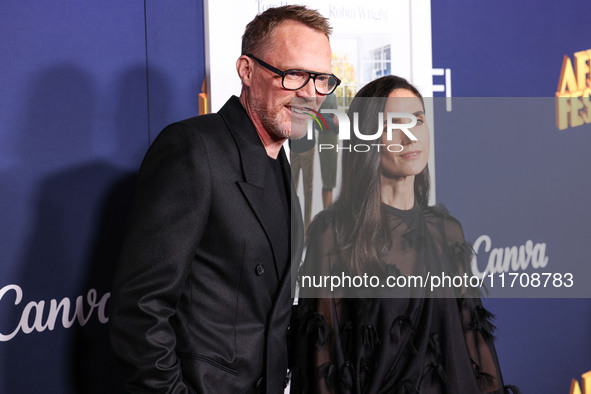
(516, 176)
(86, 86)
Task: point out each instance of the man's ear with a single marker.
(244, 66)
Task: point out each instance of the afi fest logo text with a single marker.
(394, 121)
(575, 388)
(573, 101)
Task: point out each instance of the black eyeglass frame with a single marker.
(311, 75)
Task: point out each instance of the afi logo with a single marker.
(394, 120)
(575, 388)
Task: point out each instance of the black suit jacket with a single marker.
(199, 302)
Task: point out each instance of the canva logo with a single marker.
(394, 121)
(508, 259)
(38, 316)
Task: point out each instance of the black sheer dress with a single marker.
(422, 343)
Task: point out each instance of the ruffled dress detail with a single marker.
(427, 345)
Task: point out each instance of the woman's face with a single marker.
(413, 158)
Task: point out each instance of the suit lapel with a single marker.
(255, 165)
(281, 310)
(266, 215)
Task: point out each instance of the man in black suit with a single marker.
(201, 300)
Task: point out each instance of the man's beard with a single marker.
(293, 129)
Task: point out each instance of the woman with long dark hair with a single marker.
(390, 335)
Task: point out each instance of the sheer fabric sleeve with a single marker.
(317, 364)
(317, 348)
(477, 322)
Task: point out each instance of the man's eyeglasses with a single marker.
(295, 79)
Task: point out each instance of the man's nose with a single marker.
(308, 90)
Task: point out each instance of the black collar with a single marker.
(252, 151)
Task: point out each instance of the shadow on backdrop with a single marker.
(79, 197)
(94, 365)
(56, 134)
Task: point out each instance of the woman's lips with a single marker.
(411, 155)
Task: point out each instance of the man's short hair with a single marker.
(259, 30)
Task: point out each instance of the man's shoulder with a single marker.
(211, 124)
(200, 124)
(209, 127)
(204, 133)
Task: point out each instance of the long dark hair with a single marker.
(362, 235)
